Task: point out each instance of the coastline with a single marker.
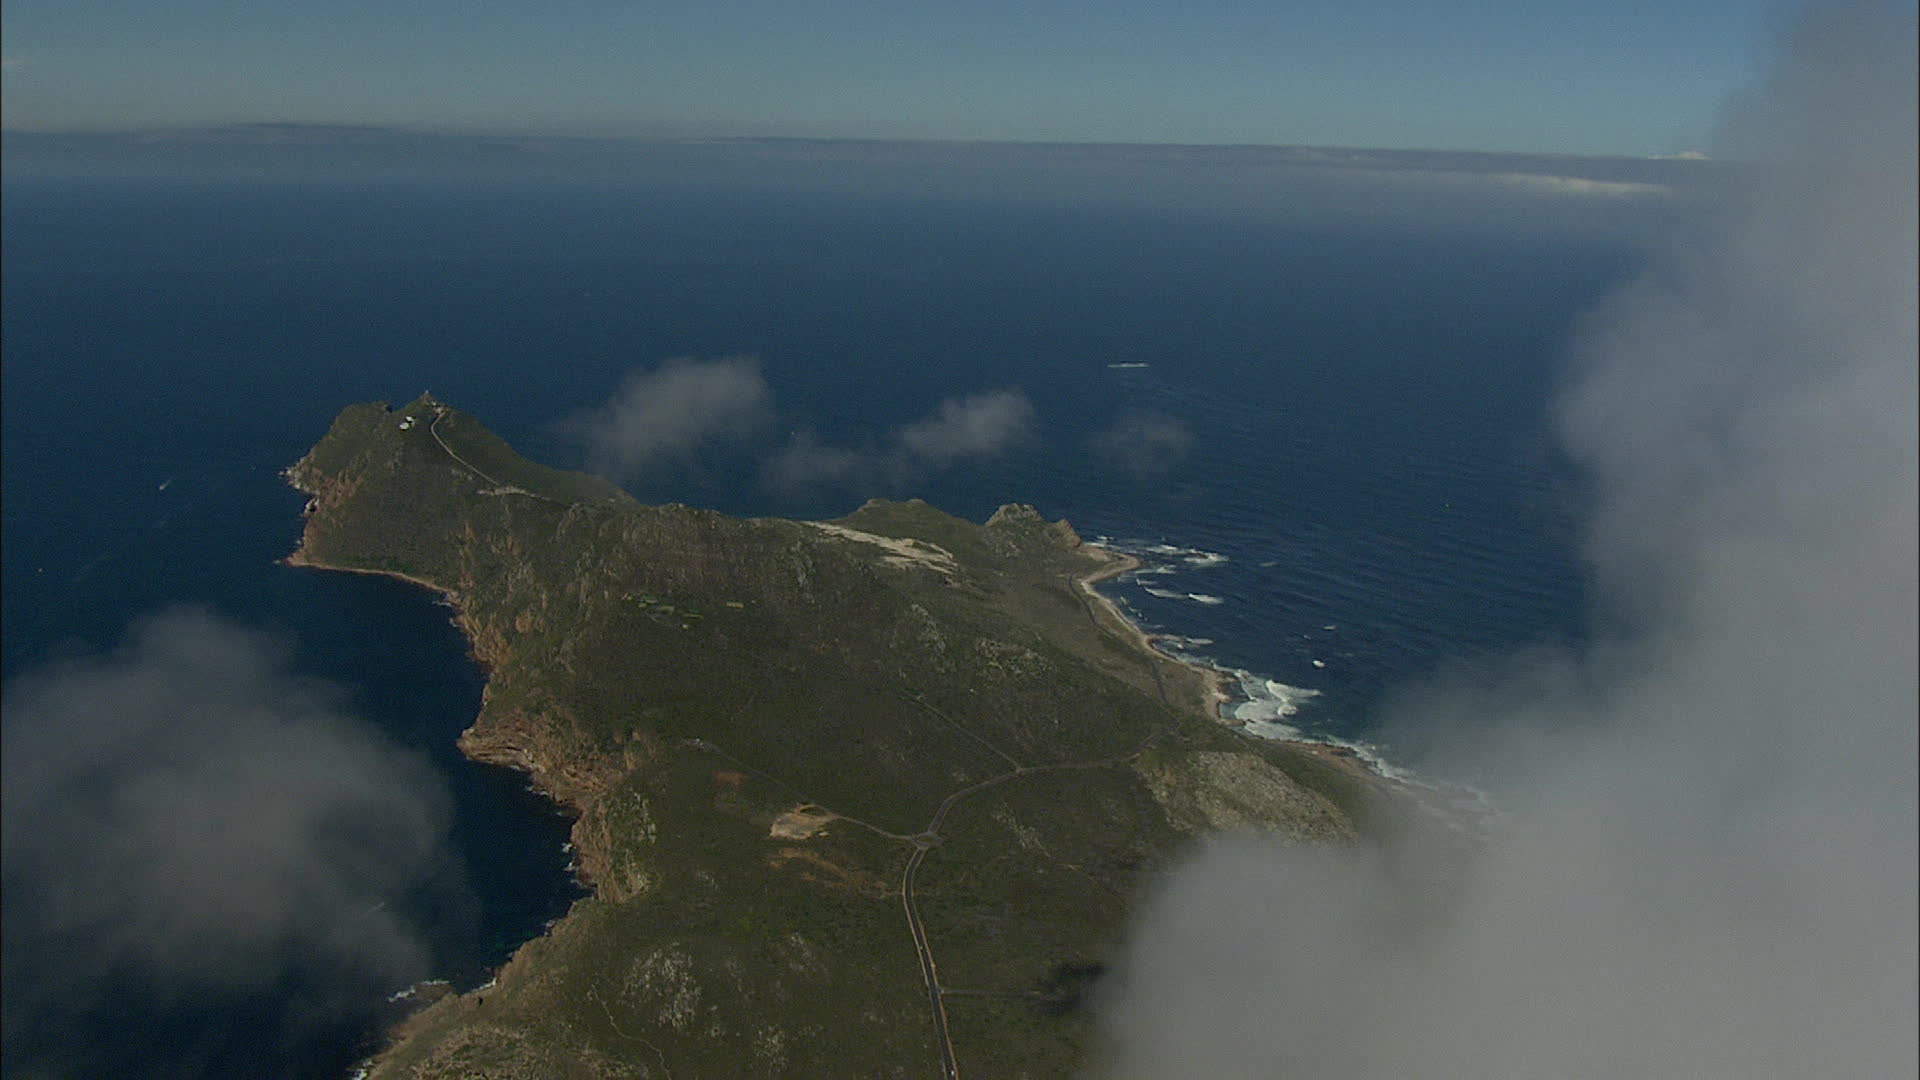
(515, 737)
(491, 747)
(1218, 682)
(412, 1003)
(1212, 680)
(301, 560)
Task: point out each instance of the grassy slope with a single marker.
(682, 677)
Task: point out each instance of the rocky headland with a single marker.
(850, 795)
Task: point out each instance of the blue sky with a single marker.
(1525, 75)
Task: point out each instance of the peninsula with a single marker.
(867, 797)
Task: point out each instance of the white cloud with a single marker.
(664, 418)
(664, 415)
(1578, 186)
(805, 464)
(976, 427)
(1708, 857)
(187, 814)
(979, 425)
(1144, 444)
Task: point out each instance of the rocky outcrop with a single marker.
(1224, 790)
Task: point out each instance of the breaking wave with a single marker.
(1263, 707)
(1258, 704)
(1158, 553)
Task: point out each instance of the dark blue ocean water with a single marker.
(1370, 491)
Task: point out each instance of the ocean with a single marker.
(1334, 449)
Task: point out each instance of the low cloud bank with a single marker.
(1304, 184)
(1706, 860)
(185, 816)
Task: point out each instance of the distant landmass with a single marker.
(868, 797)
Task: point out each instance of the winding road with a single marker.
(930, 838)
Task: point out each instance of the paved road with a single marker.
(949, 1067)
(433, 429)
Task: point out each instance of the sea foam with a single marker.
(1261, 706)
(1151, 550)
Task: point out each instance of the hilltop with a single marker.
(863, 797)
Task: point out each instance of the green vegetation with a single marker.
(490, 454)
(753, 718)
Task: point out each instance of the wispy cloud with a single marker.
(1146, 445)
(185, 815)
(1706, 863)
(669, 418)
(805, 464)
(663, 416)
(979, 425)
(971, 428)
(1579, 186)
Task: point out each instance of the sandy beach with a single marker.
(1214, 680)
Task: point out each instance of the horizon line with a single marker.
(243, 127)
